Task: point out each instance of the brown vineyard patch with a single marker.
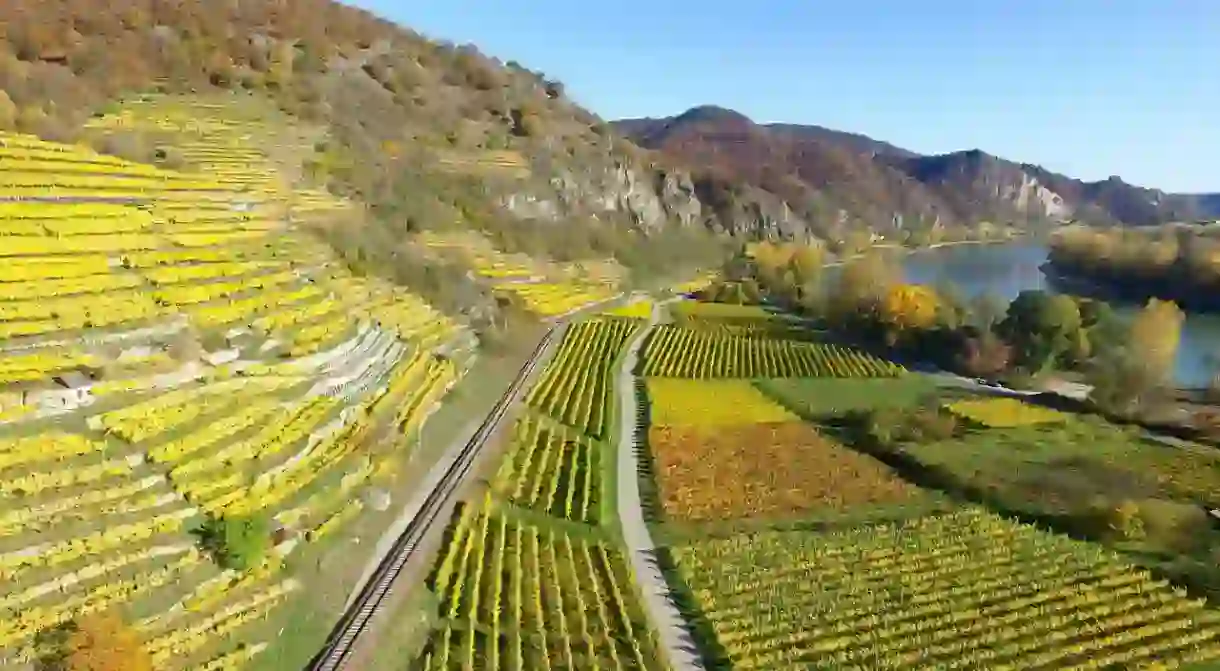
(765, 470)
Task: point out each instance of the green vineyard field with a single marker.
(552, 471)
(519, 597)
(575, 388)
(678, 352)
(967, 590)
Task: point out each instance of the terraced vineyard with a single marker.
(961, 591)
(173, 350)
(555, 471)
(672, 351)
(547, 289)
(518, 596)
(576, 388)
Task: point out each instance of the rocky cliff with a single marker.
(875, 184)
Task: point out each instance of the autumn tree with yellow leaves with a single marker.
(1155, 333)
(98, 642)
(863, 285)
(1123, 380)
(910, 306)
(787, 270)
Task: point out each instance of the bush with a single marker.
(887, 428)
(239, 543)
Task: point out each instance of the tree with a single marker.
(751, 294)
(863, 283)
(1155, 333)
(101, 642)
(1119, 381)
(985, 310)
(951, 306)
(238, 542)
(770, 262)
(1041, 328)
(910, 306)
(984, 355)
(806, 263)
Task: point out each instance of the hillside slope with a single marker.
(178, 353)
(427, 134)
(885, 186)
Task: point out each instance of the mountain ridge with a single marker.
(877, 182)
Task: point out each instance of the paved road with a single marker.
(1072, 390)
(674, 631)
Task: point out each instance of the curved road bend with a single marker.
(420, 517)
(674, 632)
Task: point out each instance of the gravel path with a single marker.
(673, 629)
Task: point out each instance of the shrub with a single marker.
(1125, 521)
(889, 427)
(238, 542)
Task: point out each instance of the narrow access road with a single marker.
(675, 633)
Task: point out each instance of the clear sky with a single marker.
(1090, 88)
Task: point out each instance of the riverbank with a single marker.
(907, 251)
(1070, 280)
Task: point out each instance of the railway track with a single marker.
(342, 640)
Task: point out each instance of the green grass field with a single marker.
(820, 397)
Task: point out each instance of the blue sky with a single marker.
(1087, 87)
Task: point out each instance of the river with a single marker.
(1005, 270)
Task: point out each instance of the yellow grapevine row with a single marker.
(17, 520)
(163, 275)
(52, 267)
(52, 288)
(248, 416)
(235, 310)
(272, 439)
(54, 554)
(32, 620)
(90, 571)
(33, 483)
(50, 446)
(233, 661)
(190, 294)
(92, 503)
(345, 514)
(188, 639)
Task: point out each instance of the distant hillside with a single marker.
(882, 185)
(427, 135)
(432, 136)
